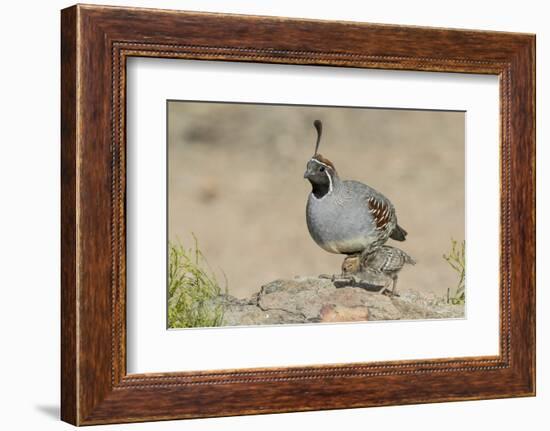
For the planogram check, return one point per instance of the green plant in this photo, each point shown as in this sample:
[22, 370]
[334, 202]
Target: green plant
[457, 260]
[192, 289]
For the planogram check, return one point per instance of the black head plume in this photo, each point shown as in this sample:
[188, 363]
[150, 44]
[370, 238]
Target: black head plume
[319, 127]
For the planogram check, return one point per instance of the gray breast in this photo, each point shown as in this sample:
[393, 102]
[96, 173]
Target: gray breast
[341, 222]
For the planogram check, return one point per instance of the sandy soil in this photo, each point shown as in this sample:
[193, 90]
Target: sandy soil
[236, 182]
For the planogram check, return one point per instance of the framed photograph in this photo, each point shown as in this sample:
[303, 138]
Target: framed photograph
[264, 215]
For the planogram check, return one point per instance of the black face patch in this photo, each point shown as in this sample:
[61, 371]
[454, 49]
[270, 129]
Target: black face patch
[320, 190]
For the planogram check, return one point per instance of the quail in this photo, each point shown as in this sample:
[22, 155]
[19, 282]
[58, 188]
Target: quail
[388, 261]
[345, 216]
[379, 268]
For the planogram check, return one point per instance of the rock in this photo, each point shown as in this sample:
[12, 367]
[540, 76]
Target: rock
[338, 313]
[246, 312]
[314, 300]
[305, 297]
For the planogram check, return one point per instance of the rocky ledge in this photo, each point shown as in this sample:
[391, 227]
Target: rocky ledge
[314, 300]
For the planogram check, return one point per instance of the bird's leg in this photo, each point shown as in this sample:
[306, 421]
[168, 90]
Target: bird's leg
[385, 287]
[364, 254]
[394, 286]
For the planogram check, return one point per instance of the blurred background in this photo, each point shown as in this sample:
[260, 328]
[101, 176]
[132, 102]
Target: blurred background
[235, 181]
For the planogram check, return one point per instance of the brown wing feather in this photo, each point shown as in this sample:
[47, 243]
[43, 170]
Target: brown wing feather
[381, 212]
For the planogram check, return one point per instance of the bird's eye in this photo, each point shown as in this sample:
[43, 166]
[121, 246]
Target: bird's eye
[322, 169]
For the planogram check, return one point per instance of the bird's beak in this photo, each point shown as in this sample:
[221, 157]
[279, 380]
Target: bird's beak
[309, 173]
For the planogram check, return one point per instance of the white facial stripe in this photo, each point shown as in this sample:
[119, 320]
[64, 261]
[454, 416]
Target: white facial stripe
[330, 181]
[321, 163]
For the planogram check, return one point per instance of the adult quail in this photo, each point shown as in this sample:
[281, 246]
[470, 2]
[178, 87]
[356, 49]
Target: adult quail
[346, 217]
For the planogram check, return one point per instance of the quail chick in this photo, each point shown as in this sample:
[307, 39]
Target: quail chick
[388, 261]
[380, 268]
[346, 217]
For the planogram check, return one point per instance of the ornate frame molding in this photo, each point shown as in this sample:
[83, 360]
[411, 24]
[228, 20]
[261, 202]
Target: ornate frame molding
[96, 41]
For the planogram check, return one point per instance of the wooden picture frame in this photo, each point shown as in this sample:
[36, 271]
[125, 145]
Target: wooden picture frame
[95, 43]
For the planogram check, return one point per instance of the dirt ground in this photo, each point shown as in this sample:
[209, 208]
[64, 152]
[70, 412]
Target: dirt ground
[236, 181]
